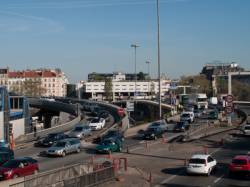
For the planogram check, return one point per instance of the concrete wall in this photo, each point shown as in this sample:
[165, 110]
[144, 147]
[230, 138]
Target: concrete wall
[18, 127]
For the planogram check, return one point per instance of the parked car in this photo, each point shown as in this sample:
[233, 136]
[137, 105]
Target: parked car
[66, 146]
[187, 116]
[240, 165]
[116, 134]
[153, 133]
[161, 124]
[201, 164]
[50, 139]
[110, 144]
[181, 126]
[80, 131]
[6, 155]
[97, 123]
[18, 168]
[246, 129]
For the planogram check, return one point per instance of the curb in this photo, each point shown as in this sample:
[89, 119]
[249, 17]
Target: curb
[208, 134]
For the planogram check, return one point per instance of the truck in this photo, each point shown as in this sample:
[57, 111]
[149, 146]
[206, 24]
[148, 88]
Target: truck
[199, 100]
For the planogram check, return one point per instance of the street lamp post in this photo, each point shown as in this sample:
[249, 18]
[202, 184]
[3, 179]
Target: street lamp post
[158, 56]
[148, 63]
[135, 46]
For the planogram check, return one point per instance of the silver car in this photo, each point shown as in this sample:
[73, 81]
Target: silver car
[66, 146]
[80, 131]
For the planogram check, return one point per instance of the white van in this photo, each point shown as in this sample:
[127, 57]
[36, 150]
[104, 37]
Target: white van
[187, 116]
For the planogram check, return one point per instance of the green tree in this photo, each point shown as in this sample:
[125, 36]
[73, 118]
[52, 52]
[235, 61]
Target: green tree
[199, 83]
[33, 88]
[108, 89]
[141, 76]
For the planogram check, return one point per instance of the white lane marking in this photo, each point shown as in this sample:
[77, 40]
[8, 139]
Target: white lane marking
[169, 179]
[216, 150]
[217, 180]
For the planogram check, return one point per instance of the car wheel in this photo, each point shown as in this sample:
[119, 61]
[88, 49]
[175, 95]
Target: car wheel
[63, 154]
[120, 149]
[209, 171]
[15, 176]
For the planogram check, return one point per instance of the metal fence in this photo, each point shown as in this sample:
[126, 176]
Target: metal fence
[72, 176]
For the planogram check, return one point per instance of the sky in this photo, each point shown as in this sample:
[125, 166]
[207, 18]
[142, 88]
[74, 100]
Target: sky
[83, 36]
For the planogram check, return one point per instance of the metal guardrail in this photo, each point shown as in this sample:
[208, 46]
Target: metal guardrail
[39, 134]
[74, 175]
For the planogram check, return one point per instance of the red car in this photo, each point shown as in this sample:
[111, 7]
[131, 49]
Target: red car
[18, 167]
[240, 164]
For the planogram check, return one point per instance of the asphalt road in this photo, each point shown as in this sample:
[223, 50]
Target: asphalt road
[239, 145]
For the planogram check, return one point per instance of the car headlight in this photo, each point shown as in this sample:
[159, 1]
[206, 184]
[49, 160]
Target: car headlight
[7, 172]
[59, 151]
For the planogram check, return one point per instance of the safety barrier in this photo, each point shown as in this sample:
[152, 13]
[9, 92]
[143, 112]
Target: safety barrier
[39, 134]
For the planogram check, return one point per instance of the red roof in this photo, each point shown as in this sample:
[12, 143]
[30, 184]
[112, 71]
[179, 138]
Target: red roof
[32, 74]
[15, 74]
[48, 74]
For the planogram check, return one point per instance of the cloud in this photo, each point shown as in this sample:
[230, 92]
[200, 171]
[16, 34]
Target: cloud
[17, 22]
[73, 4]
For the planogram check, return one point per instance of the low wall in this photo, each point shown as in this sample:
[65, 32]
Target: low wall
[60, 128]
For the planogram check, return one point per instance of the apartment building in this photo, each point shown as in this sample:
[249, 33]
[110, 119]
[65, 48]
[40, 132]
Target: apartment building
[49, 82]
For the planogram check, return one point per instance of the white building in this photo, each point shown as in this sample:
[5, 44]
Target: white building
[124, 89]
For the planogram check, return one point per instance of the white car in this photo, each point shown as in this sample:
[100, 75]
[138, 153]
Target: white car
[201, 164]
[97, 123]
[246, 129]
[187, 116]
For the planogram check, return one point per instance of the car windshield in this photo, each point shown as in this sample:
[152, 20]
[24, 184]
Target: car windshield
[51, 135]
[95, 121]
[11, 164]
[239, 162]
[78, 129]
[151, 129]
[106, 142]
[155, 124]
[247, 127]
[60, 144]
[197, 161]
[185, 115]
[180, 124]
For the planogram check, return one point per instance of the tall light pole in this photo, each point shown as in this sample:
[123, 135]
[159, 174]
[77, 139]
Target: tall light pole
[158, 56]
[135, 46]
[148, 63]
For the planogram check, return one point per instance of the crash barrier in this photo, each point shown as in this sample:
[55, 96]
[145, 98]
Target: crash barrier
[74, 175]
[42, 133]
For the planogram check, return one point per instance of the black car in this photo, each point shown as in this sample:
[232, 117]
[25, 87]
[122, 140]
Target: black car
[182, 126]
[153, 133]
[104, 114]
[110, 134]
[51, 139]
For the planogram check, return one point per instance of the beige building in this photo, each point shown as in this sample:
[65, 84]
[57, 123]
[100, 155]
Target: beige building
[47, 82]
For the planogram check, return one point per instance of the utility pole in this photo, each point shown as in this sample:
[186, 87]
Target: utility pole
[135, 46]
[158, 57]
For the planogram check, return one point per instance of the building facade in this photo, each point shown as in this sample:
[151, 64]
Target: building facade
[122, 88]
[45, 82]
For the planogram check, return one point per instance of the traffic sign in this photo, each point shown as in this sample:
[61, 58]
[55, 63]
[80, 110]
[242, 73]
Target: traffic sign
[130, 106]
[229, 98]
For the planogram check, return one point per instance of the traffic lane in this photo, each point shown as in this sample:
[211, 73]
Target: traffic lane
[220, 177]
[52, 162]
[242, 146]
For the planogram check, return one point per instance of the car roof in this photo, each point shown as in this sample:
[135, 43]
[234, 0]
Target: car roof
[68, 139]
[23, 158]
[242, 157]
[200, 156]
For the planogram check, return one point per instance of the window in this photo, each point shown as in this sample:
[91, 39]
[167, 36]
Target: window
[210, 159]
